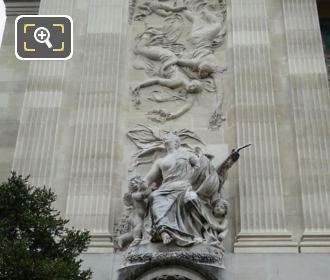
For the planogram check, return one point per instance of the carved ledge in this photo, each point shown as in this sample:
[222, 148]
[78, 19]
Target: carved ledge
[101, 243]
[265, 243]
[203, 259]
[16, 8]
[315, 242]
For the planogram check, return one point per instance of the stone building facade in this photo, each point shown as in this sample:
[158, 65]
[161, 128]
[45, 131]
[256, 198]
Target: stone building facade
[66, 124]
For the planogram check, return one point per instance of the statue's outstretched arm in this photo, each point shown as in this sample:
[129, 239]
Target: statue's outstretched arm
[230, 160]
[153, 174]
[227, 164]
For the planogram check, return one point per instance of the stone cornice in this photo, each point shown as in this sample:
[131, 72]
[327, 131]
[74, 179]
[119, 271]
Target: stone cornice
[16, 7]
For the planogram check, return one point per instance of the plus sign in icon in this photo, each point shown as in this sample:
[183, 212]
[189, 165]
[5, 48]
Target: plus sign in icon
[43, 37]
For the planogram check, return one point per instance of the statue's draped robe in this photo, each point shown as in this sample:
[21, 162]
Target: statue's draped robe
[171, 210]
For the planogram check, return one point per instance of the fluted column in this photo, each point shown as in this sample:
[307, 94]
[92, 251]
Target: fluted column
[262, 215]
[67, 136]
[311, 103]
[91, 171]
[35, 152]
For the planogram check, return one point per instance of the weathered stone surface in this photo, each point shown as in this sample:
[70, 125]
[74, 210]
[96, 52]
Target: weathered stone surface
[278, 71]
[204, 260]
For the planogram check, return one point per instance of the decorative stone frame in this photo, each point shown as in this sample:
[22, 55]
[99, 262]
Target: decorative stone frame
[171, 273]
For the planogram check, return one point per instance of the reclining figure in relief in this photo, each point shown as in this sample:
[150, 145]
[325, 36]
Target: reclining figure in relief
[173, 78]
[193, 69]
[157, 7]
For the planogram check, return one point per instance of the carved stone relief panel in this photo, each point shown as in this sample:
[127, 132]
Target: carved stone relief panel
[178, 58]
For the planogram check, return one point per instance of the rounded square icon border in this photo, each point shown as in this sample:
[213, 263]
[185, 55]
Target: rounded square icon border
[24, 58]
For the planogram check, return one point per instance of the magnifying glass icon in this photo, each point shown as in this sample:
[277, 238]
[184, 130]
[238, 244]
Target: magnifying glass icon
[42, 35]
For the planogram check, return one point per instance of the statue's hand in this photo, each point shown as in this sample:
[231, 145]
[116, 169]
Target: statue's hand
[136, 91]
[221, 237]
[190, 196]
[136, 96]
[235, 155]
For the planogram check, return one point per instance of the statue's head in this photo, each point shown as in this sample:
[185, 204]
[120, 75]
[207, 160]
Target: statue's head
[171, 140]
[194, 86]
[134, 184]
[205, 68]
[220, 207]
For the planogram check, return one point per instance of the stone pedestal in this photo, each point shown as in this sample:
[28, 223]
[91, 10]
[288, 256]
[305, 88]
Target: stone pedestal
[201, 261]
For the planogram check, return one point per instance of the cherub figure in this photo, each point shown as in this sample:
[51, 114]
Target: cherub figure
[136, 198]
[220, 210]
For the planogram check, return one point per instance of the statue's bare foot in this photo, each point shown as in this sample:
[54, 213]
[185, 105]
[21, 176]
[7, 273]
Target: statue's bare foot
[120, 242]
[135, 242]
[167, 239]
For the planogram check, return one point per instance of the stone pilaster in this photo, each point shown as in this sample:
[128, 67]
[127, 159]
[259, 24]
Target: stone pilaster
[39, 123]
[311, 102]
[67, 136]
[93, 159]
[262, 216]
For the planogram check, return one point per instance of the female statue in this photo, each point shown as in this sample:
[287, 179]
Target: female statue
[182, 206]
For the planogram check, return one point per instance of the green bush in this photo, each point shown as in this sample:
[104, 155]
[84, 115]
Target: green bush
[34, 242]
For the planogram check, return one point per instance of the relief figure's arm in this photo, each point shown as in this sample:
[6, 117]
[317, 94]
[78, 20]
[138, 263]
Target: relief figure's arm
[189, 16]
[191, 63]
[143, 7]
[137, 196]
[153, 174]
[170, 83]
[161, 12]
[224, 230]
[221, 227]
[148, 83]
[171, 8]
[194, 161]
